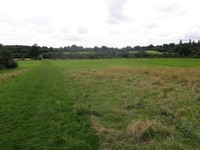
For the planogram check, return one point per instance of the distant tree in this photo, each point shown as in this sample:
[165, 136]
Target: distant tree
[96, 48]
[75, 48]
[181, 42]
[34, 51]
[104, 48]
[137, 48]
[150, 47]
[128, 48]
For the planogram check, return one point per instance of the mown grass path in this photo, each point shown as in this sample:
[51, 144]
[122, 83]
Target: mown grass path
[36, 112]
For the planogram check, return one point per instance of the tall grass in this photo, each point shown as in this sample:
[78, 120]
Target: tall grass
[141, 108]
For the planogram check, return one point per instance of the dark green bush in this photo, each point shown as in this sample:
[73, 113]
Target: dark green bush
[6, 59]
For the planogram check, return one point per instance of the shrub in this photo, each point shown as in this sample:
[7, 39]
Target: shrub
[6, 59]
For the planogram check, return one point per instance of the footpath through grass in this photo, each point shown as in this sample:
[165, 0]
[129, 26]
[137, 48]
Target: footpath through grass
[36, 112]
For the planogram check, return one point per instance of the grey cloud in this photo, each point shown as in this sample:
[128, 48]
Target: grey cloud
[4, 19]
[38, 23]
[113, 33]
[64, 30]
[74, 38]
[116, 11]
[181, 13]
[192, 33]
[193, 36]
[151, 26]
[37, 20]
[167, 12]
[82, 30]
[66, 37]
[168, 8]
[9, 20]
[165, 35]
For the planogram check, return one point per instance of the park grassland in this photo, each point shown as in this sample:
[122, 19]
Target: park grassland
[101, 104]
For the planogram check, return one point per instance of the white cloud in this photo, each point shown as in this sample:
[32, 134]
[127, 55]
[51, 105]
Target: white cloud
[116, 10]
[114, 23]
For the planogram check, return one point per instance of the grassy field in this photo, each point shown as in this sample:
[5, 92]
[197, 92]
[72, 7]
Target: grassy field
[101, 104]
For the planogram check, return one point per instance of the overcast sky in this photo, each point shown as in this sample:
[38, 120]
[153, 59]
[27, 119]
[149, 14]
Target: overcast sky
[116, 23]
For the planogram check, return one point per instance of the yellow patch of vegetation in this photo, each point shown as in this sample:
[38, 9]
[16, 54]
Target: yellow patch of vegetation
[9, 75]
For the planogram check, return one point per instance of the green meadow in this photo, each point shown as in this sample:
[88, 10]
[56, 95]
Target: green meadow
[101, 104]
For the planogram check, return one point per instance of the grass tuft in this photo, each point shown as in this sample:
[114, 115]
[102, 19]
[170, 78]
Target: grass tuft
[147, 130]
[142, 130]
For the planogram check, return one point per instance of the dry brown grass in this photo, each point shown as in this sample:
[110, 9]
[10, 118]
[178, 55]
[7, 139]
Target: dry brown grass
[147, 130]
[122, 94]
[106, 135]
[9, 75]
[157, 76]
[98, 127]
[173, 85]
[139, 129]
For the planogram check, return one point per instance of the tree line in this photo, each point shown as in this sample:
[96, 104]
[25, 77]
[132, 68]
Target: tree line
[189, 49]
